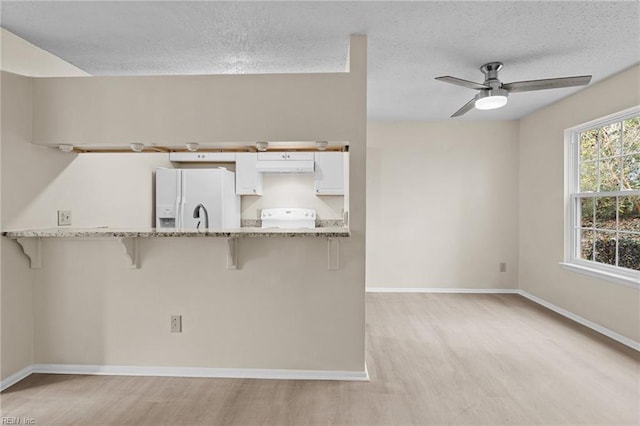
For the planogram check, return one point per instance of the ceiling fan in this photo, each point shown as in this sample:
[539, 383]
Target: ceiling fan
[493, 93]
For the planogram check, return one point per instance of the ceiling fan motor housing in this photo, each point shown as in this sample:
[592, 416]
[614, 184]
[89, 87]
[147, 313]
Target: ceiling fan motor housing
[490, 70]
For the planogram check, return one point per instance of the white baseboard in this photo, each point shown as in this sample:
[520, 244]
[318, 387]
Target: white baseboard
[580, 320]
[16, 377]
[442, 290]
[230, 373]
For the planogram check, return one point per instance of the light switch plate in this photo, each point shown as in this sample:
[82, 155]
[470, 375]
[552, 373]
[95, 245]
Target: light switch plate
[64, 217]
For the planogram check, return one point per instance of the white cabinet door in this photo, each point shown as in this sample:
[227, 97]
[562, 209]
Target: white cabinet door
[248, 180]
[329, 173]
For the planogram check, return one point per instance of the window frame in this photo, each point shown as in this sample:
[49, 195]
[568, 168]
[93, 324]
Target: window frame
[572, 261]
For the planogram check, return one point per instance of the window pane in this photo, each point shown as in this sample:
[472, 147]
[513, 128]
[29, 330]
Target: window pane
[610, 174]
[606, 213]
[631, 171]
[589, 145]
[606, 225]
[629, 251]
[586, 212]
[605, 248]
[609, 138]
[588, 177]
[631, 135]
[629, 213]
[586, 244]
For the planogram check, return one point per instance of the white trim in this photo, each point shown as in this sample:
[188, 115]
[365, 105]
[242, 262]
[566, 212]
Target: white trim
[16, 377]
[580, 320]
[230, 373]
[572, 194]
[442, 290]
[602, 274]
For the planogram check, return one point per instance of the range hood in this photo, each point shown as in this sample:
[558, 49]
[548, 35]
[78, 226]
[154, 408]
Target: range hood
[291, 166]
[285, 162]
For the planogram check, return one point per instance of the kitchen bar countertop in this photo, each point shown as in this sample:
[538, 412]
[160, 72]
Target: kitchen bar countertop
[63, 232]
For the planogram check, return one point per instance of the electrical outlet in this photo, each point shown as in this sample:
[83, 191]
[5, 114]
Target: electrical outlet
[64, 217]
[503, 266]
[176, 323]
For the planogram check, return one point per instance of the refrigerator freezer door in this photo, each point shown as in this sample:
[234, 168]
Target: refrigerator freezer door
[168, 198]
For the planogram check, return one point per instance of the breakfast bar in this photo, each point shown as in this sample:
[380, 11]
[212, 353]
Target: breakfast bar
[31, 239]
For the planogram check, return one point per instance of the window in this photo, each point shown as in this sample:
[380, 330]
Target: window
[603, 235]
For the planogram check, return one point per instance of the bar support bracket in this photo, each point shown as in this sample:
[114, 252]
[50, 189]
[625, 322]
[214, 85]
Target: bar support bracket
[232, 253]
[32, 248]
[130, 247]
[333, 254]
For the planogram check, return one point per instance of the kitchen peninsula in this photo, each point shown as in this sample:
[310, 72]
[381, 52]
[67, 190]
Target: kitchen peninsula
[30, 239]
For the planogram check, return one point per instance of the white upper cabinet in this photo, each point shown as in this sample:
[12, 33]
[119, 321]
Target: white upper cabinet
[330, 173]
[248, 179]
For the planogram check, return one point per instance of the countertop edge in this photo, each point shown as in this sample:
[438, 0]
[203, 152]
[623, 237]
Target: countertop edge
[337, 232]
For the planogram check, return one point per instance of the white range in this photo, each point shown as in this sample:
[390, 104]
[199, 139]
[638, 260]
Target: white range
[288, 218]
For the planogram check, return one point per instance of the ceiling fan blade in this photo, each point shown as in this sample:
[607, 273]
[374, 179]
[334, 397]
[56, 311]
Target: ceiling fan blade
[464, 83]
[549, 83]
[465, 109]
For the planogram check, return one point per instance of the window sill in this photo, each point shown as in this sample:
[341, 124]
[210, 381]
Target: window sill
[626, 280]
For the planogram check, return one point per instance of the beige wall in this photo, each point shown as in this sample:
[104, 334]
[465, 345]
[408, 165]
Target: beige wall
[442, 204]
[282, 309]
[113, 190]
[542, 204]
[17, 279]
[169, 110]
[25, 171]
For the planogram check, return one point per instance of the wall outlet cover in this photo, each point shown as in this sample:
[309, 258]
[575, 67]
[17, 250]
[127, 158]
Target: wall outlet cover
[176, 323]
[64, 217]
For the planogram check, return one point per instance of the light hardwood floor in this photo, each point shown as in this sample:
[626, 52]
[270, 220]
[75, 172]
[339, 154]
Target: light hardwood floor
[454, 359]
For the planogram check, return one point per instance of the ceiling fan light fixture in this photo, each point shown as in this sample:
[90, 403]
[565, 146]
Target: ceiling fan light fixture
[491, 99]
[491, 102]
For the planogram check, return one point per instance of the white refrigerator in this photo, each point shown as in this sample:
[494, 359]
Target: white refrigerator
[187, 199]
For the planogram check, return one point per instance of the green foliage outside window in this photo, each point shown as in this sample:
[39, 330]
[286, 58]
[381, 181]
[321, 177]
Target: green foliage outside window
[610, 224]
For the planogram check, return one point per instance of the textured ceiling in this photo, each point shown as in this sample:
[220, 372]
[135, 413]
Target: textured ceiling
[410, 43]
